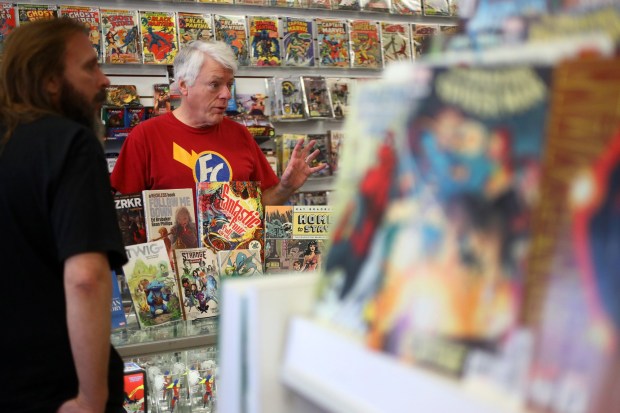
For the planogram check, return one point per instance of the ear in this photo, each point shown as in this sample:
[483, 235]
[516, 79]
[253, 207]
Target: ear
[53, 85]
[183, 87]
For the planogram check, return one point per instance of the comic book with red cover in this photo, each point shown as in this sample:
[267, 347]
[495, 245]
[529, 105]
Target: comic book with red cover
[31, 12]
[572, 291]
[264, 39]
[121, 36]
[158, 31]
[194, 26]
[365, 44]
[233, 31]
[230, 215]
[91, 19]
[8, 21]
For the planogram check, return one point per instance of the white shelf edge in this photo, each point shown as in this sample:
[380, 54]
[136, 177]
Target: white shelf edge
[341, 375]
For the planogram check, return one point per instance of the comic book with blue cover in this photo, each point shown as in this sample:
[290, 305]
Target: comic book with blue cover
[158, 32]
[8, 21]
[264, 39]
[118, 312]
[297, 42]
[199, 282]
[152, 284]
[121, 36]
[427, 255]
[232, 30]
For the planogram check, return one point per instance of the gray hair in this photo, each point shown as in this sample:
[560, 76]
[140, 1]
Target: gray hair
[189, 60]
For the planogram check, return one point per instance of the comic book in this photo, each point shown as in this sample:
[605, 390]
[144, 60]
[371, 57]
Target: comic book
[121, 36]
[289, 98]
[8, 21]
[199, 282]
[346, 4]
[230, 215]
[396, 42]
[297, 42]
[295, 237]
[217, 1]
[31, 12]
[232, 30]
[317, 99]
[252, 2]
[298, 4]
[90, 17]
[169, 216]
[158, 32]
[335, 144]
[264, 39]
[421, 38]
[309, 198]
[436, 7]
[340, 89]
[571, 296]
[130, 215]
[118, 312]
[194, 26]
[152, 284]
[332, 43]
[286, 144]
[382, 6]
[240, 263]
[452, 175]
[320, 4]
[121, 95]
[365, 44]
[323, 158]
[407, 7]
[161, 99]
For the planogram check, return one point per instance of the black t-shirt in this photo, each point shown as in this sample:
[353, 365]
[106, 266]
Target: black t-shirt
[55, 202]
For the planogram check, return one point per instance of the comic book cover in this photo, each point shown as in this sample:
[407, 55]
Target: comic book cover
[571, 298]
[240, 263]
[333, 43]
[130, 215]
[407, 7]
[320, 4]
[118, 313]
[8, 21]
[346, 4]
[152, 284]
[158, 32]
[264, 38]
[199, 282]
[31, 12]
[298, 4]
[396, 42]
[297, 42]
[382, 6]
[252, 2]
[295, 237]
[436, 7]
[289, 98]
[340, 89]
[217, 1]
[323, 158]
[335, 144]
[91, 19]
[161, 99]
[365, 44]
[286, 145]
[230, 215]
[121, 95]
[232, 30]
[317, 99]
[121, 36]
[454, 178]
[194, 26]
[169, 216]
[421, 38]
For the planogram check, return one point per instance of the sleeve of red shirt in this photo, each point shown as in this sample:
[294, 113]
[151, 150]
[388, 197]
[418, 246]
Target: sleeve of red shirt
[130, 171]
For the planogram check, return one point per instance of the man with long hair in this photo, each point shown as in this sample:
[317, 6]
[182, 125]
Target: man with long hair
[60, 229]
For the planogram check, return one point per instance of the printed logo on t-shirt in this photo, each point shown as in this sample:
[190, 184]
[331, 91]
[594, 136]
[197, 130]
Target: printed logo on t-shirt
[208, 166]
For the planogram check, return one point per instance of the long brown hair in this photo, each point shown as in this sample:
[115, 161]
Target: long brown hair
[33, 54]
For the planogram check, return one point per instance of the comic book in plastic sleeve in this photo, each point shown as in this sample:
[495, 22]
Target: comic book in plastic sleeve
[407, 7]
[230, 215]
[571, 299]
[421, 36]
[264, 40]
[346, 5]
[323, 157]
[152, 284]
[298, 4]
[217, 1]
[320, 4]
[130, 216]
[252, 2]
[336, 138]
[333, 43]
[436, 7]
[121, 36]
[199, 282]
[232, 30]
[317, 99]
[31, 12]
[395, 42]
[295, 237]
[287, 142]
[8, 21]
[158, 32]
[297, 42]
[453, 176]
[382, 6]
[118, 312]
[288, 98]
[91, 19]
[240, 263]
[365, 44]
[194, 26]
[161, 99]
[340, 89]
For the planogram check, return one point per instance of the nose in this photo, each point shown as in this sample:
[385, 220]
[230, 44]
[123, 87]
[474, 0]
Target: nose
[226, 93]
[105, 82]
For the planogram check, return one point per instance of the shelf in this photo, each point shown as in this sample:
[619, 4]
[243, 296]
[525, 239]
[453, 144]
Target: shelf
[177, 336]
[340, 375]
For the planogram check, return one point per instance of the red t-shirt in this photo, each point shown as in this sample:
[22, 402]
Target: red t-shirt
[164, 153]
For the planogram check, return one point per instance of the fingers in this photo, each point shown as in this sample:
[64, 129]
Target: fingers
[312, 156]
[301, 150]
